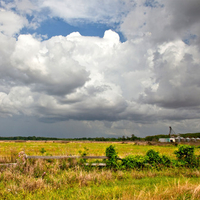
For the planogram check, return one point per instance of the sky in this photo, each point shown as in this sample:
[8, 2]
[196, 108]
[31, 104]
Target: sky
[99, 68]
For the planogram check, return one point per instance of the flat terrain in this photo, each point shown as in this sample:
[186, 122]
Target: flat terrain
[73, 148]
[57, 180]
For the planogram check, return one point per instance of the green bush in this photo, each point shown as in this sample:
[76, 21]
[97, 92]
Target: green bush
[166, 161]
[111, 153]
[133, 162]
[185, 155]
[185, 152]
[153, 157]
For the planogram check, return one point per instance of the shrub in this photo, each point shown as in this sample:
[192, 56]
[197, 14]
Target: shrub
[185, 154]
[153, 157]
[155, 160]
[166, 161]
[133, 162]
[111, 153]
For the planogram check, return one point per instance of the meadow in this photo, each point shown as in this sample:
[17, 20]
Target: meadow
[65, 179]
[73, 148]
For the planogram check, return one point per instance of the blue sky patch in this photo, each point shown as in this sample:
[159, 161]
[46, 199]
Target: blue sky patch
[56, 26]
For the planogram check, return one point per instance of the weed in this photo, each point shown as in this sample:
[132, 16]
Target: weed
[42, 151]
[83, 153]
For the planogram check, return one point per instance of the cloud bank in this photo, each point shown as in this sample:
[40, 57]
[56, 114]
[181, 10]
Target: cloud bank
[150, 80]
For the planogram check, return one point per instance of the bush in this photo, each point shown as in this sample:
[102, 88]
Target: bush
[166, 161]
[153, 157]
[111, 153]
[133, 162]
[185, 154]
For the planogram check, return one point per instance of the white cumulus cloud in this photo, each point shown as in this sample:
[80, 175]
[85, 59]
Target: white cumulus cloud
[148, 81]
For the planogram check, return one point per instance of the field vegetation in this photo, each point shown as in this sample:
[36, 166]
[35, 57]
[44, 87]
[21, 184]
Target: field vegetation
[73, 148]
[145, 172]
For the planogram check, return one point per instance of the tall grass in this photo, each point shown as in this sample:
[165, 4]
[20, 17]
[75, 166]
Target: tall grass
[41, 179]
[10, 158]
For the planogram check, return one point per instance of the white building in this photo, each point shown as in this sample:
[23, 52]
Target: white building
[166, 139]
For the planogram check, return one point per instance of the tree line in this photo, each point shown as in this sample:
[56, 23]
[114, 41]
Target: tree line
[123, 138]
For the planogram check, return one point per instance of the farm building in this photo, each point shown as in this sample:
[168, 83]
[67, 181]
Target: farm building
[166, 139]
[173, 137]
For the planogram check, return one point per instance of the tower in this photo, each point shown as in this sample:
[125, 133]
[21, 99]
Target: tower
[170, 131]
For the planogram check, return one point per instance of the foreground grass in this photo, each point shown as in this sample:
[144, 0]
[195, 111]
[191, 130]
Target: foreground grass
[29, 182]
[64, 179]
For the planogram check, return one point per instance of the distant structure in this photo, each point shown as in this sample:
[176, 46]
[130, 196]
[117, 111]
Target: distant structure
[164, 140]
[171, 138]
[170, 131]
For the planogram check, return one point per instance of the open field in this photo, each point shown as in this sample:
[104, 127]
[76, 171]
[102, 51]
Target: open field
[73, 148]
[55, 179]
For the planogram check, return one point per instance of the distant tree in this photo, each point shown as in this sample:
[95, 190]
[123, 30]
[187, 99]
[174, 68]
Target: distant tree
[133, 137]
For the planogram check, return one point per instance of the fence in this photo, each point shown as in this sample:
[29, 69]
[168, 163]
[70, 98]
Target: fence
[72, 157]
[64, 157]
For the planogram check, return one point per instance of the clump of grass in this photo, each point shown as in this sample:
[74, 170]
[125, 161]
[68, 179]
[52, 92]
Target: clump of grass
[9, 158]
[4, 159]
[176, 190]
[13, 155]
[32, 184]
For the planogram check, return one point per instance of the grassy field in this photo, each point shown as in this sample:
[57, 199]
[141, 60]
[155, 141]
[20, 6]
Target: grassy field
[73, 148]
[41, 179]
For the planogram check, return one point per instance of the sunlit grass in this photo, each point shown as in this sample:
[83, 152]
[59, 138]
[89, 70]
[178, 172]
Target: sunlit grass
[73, 148]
